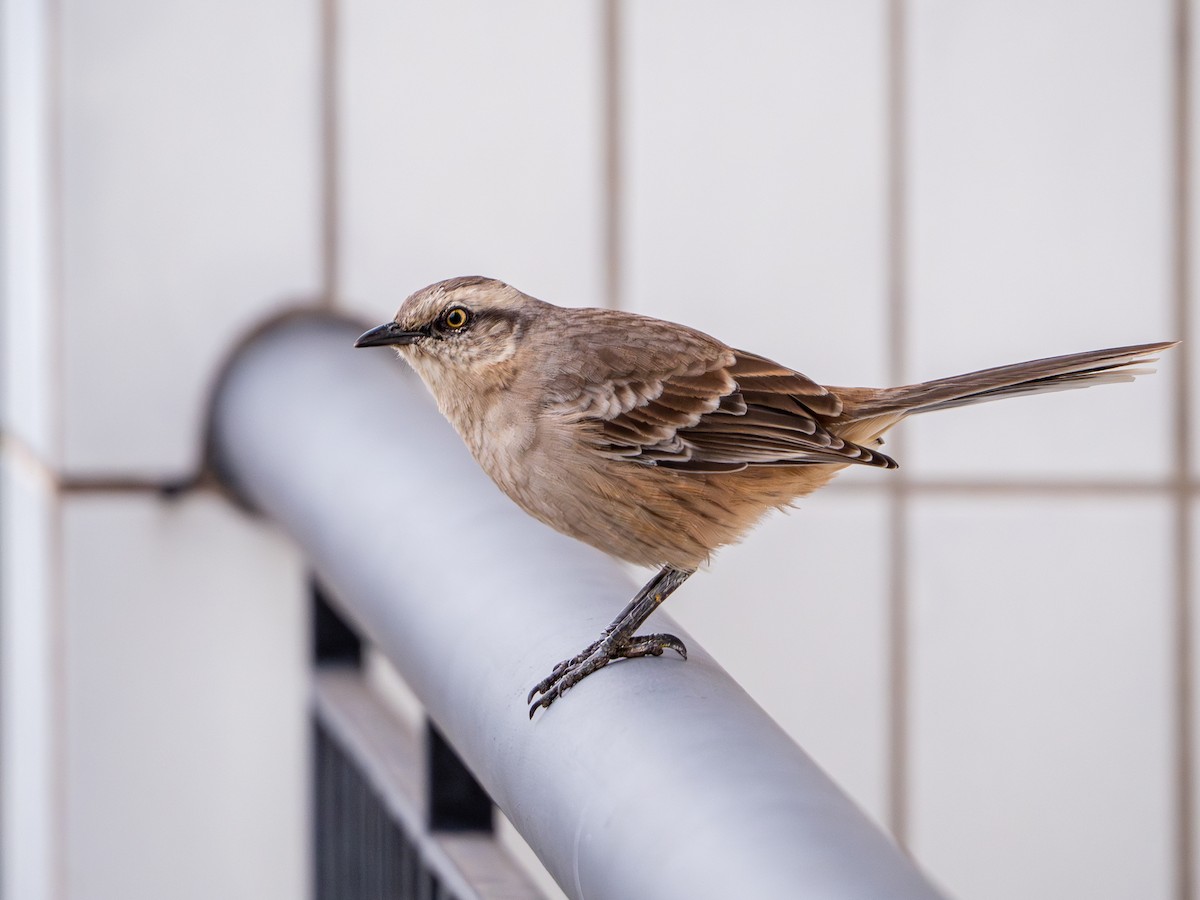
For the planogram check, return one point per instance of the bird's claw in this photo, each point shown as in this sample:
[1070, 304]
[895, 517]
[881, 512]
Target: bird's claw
[597, 655]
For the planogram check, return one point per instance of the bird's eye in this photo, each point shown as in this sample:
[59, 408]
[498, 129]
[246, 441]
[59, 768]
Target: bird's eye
[456, 318]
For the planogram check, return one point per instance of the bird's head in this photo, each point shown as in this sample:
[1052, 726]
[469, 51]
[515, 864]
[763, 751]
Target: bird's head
[464, 325]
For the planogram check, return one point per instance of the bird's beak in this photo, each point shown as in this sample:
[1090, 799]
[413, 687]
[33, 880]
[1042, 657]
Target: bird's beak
[388, 334]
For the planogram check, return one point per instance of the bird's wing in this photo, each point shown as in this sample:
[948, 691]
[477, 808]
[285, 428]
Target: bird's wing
[695, 405]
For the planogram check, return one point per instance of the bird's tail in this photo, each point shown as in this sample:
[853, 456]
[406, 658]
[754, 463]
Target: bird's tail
[1058, 373]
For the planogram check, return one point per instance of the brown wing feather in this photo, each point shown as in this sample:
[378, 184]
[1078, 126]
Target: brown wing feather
[687, 402]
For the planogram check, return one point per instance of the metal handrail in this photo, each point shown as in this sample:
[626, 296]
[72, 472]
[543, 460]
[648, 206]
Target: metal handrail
[655, 778]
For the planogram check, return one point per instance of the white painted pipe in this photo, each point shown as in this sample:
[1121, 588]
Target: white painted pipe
[654, 777]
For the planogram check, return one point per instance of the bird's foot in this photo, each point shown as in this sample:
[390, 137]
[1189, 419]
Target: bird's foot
[597, 655]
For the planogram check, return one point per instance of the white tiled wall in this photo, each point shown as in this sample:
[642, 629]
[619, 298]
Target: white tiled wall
[29, 789]
[1192, 133]
[1041, 757]
[160, 194]
[153, 669]
[755, 169]
[189, 210]
[1039, 224]
[1193, 760]
[26, 328]
[470, 145]
[185, 640]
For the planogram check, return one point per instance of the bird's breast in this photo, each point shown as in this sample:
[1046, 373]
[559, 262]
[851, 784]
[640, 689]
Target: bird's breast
[499, 436]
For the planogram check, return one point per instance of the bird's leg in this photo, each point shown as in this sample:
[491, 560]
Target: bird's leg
[618, 640]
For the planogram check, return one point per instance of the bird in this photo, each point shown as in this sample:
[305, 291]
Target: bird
[655, 442]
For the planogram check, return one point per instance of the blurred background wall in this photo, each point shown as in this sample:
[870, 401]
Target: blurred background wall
[992, 649]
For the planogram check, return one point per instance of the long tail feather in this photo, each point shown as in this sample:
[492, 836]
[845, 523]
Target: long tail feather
[1058, 373]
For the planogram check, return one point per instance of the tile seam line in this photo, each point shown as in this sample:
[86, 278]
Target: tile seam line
[18, 450]
[611, 136]
[896, 312]
[21, 455]
[1182, 612]
[59, 876]
[329, 153]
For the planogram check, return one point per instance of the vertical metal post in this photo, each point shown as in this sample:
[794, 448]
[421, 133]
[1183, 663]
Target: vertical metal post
[457, 802]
